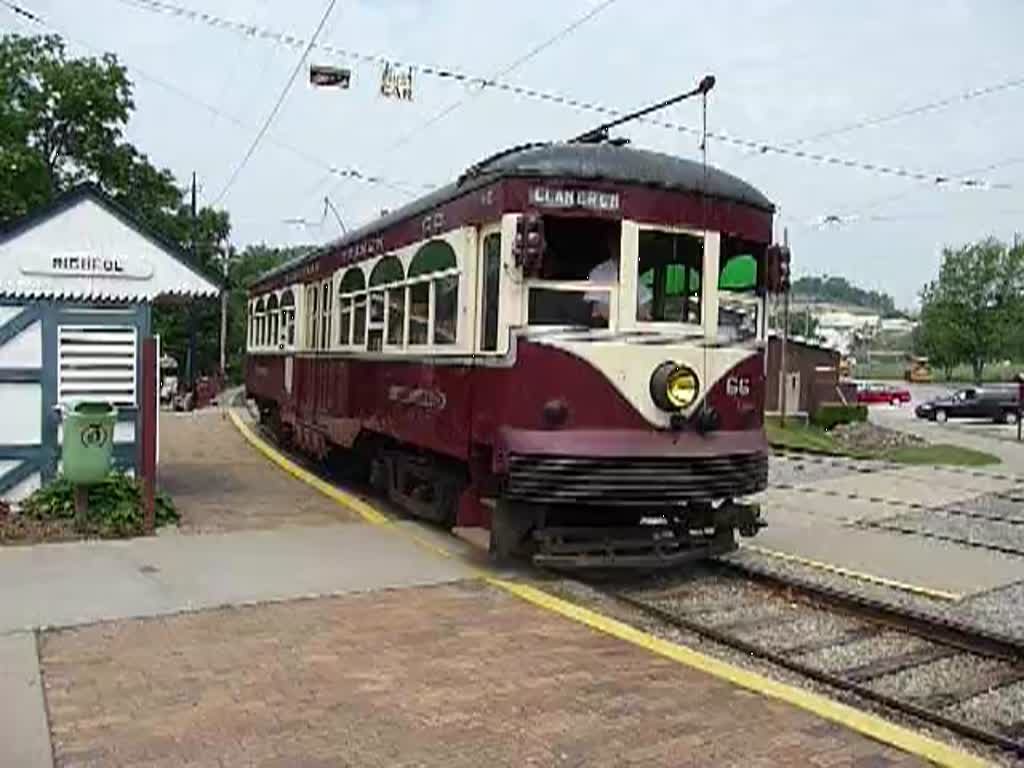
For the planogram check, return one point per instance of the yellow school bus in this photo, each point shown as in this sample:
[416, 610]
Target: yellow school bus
[917, 370]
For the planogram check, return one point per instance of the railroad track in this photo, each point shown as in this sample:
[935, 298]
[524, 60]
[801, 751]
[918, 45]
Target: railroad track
[941, 523]
[934, 670]
[868, 465]
[940, 672]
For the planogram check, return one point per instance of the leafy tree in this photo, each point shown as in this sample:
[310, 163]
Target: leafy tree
[937, 335]
[62, 122]
[973, 312]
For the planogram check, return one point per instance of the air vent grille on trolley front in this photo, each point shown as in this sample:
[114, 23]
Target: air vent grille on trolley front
[97, 363]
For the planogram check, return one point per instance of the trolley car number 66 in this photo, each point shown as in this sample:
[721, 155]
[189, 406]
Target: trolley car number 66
[737, 386]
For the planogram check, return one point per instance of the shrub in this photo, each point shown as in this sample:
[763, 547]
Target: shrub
[828, 416]
[115, 507]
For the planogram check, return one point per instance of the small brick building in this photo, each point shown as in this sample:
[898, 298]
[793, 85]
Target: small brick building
[812, 376]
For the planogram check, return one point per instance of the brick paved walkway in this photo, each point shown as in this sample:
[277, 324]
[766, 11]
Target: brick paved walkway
[220, 483]
[456, 675]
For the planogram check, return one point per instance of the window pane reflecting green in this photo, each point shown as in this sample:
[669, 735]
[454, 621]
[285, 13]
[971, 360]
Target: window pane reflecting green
[435, 256]
[352, 281]
[388, 270]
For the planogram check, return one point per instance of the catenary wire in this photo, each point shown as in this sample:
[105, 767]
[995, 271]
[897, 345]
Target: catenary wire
[750, 145]
[406, 188]
[251, 151]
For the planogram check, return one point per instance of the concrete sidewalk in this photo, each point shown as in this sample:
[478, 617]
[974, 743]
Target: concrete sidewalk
[57, 585]
[61, 585]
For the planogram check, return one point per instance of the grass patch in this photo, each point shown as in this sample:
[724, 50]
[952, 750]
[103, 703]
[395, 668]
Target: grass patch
[941, 453]
[805, 437]
[802, 437]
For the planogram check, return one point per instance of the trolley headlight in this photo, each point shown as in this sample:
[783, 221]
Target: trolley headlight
[674, 387]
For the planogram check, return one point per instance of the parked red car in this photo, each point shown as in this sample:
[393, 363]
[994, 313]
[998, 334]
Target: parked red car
[870, 394]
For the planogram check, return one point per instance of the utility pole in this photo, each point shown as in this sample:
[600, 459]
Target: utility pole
[785, 343]
[225, 266]
[192, 315]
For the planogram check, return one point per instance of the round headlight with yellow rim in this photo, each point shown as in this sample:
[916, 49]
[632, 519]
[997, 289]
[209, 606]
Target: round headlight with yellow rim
[674, 387]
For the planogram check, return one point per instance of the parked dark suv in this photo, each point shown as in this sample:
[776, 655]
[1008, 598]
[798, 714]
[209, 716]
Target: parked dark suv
[996, 403]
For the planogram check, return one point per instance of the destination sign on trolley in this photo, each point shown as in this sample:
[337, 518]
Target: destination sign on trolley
[591, 199]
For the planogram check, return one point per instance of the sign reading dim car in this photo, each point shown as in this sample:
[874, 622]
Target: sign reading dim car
[590, 199]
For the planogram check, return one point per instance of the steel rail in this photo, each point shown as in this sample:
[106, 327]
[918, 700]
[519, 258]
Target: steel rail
[833, 680]
[937, 629]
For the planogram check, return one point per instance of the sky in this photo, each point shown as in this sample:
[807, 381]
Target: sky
[787, 71]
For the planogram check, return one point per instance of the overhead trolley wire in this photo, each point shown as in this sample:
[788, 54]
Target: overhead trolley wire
[918, 109]
[277, 105]
[762, 147]
[507, 69]
[407, 188]
[535, 51]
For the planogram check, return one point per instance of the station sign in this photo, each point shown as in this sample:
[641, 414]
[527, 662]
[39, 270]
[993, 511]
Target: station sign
[86, 264]
[588, 199]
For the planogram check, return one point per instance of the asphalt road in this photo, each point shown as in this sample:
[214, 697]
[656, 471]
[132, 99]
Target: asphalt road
[982, 435]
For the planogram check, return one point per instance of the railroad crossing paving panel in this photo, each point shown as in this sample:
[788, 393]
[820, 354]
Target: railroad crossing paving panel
[917, 485]
[452, 675]
[841, 521]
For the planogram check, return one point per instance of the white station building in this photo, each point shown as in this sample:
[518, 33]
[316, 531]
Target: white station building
[78, 279]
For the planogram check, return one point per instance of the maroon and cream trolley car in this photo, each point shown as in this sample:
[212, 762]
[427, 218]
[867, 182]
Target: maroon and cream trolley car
[565, 346]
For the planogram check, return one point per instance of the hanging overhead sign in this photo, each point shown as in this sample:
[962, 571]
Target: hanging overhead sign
[396, 82]
[326, 76]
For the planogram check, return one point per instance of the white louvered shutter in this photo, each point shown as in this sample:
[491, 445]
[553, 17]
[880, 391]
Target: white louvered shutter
[97, 363]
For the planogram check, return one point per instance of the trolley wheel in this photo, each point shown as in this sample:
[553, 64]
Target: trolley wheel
[511, 531]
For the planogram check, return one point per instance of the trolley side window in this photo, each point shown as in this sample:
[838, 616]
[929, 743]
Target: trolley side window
[326, 317]
[288, 317]
[312, 314]
[739, 305]
[669, 277]
[491, 292]
[272, 335]
[419, 314]
[446, 309]
[388, 271]
[434, 295]
[351, 295]
[258, 314]
[396, 316]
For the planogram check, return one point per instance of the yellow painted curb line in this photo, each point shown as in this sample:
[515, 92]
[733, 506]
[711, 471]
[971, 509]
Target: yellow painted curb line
[856, 720]
[935, 594]
[360, 507]
[366, 511]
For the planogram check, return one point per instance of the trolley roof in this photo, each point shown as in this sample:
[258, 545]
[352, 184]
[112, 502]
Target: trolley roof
[585, 162]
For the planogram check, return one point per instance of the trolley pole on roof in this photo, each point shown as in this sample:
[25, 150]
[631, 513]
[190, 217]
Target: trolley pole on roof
[600, 133]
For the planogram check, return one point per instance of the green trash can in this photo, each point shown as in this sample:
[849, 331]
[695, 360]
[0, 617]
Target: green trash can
[88, 441]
